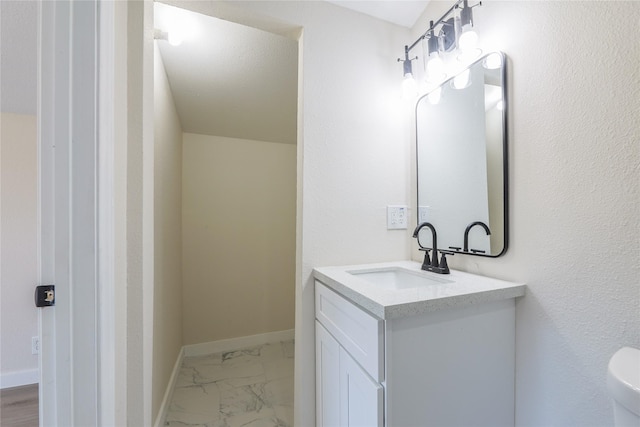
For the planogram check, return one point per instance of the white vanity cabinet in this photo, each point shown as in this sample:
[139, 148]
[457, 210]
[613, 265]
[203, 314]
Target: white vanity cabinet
[446, 367]
[348, 363]
[347, 396]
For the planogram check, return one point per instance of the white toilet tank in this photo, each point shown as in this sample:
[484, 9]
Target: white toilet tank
[623, 381]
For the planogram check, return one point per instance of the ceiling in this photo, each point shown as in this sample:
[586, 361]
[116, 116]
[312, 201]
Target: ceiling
[401, 12]
[239, 79]
[229, 79]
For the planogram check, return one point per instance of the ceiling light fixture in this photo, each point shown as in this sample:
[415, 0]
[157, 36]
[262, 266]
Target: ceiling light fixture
[172, 37]
[444, 35]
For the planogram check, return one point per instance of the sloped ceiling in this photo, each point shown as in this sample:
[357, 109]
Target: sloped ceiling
[230, 80]
[253, 64]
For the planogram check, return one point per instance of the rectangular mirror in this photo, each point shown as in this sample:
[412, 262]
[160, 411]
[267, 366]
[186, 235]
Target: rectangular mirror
[461, 144]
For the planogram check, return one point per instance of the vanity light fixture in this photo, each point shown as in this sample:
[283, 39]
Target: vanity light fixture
[445, 35]
[468, 39]
[435, 66]
[409, 85]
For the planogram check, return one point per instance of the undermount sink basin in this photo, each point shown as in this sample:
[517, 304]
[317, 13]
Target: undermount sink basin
[398, 278]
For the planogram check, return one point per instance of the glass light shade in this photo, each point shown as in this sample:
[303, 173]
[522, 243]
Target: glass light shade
[409, 87]
[468, 40]
[435, 67]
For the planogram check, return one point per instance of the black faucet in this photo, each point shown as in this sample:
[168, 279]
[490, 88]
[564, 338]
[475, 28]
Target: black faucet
[432, 264]
[466, 234]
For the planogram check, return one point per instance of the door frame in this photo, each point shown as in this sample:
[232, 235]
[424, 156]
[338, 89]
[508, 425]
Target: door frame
[93, 240]
[68, 211]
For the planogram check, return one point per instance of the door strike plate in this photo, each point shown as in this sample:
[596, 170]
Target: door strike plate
[45, 296]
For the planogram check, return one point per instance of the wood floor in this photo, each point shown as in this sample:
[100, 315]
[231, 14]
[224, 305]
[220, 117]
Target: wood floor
[19, 406]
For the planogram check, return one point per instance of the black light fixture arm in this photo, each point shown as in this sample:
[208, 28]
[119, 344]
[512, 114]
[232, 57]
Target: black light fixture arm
[433, 25]
[406, 62]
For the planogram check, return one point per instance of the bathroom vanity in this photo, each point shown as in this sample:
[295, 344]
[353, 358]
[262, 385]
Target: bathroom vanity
[397, 346]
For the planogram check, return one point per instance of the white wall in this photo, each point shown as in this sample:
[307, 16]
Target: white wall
[167, 319]
[574, 199]
[353, 153]
[137, 54]
[19, 262]
[238, 211]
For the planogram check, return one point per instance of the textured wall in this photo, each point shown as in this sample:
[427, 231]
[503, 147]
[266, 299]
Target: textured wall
[19, 266]
[575, 205]
[238, 237]
[167, 319]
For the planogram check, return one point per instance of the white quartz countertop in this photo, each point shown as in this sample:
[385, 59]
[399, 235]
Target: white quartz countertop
[461, 290]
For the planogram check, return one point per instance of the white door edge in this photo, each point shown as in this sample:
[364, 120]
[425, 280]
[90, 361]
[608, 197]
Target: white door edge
[75, 215]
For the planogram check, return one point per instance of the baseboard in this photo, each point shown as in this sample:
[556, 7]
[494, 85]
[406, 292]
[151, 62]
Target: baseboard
[237, 343]
[17, 379]
[168, 394]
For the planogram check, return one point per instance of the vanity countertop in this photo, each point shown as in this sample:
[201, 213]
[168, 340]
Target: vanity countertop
[465, 289]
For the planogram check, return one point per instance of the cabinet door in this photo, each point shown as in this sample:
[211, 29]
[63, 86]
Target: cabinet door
[327, 379]
[360, 397]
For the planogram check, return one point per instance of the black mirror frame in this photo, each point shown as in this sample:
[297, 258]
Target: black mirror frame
[505, 157]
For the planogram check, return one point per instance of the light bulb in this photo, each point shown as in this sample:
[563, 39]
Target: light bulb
[175, 38]
[461, 81]
[409, 87]
[468, 40]
[435, 68]
[181, 27]
[500, 105]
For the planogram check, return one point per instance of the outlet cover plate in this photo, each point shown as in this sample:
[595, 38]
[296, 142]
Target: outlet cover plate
[35, 345]
[397, 217]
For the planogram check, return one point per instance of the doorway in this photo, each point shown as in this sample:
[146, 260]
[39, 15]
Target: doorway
[225, 187]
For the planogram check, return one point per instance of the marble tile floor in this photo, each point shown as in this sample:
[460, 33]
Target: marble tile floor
[251, 388]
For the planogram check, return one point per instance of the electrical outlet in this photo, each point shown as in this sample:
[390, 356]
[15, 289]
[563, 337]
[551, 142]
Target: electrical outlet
[397, 217]
[35, 345]
[423, 214]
